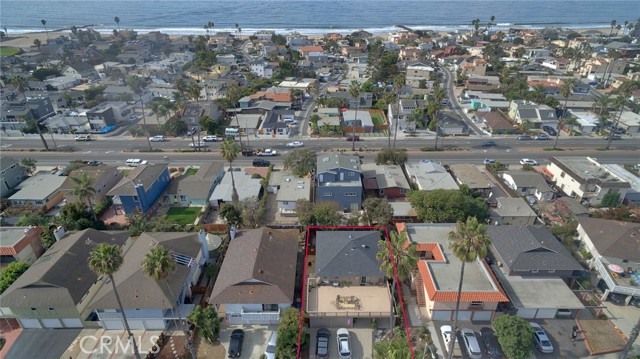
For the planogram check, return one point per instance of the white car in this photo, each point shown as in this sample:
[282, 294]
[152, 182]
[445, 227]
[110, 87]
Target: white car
[295, 144]
[489, 161]
[344, 343]
[83, 138]
[541, 339]
[445, 330]
[198, 144]
[528, 161]
[135, 162]
[158, 138]
[472, 344]
[210, 138]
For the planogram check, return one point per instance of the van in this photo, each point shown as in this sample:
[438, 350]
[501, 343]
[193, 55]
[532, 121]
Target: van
[231, 132]
[270, 352]
[135, 162]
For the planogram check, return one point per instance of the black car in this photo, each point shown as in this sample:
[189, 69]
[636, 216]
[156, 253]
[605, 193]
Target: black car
[322, 343]
[617, 299]
[635, 301]
[489, 143]
[235, 346]
[491, 345]
[550, 130]
[261, 163]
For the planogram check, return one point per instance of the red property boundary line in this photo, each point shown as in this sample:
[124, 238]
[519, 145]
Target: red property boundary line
[304, 279]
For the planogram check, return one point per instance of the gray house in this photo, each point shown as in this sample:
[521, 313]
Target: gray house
[529, 183]
[11, 175]
[195, 190]
[339, 180]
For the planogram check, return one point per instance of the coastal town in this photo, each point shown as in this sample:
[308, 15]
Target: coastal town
[414, 194]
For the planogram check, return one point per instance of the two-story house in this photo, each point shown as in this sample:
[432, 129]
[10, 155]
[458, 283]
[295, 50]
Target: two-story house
[586, 179]
[512, 211]
[532, 266]
[416, 73]
[108, 113]
[40, 190]
[262, 69]
[289, 189]
[11, 174]
[257, 277]
[386, 181]
[140, 189]
[344, 282]
[14, 114]
[535, 115]
[427, 175]
[103, 178]
[436, 278]
[339, 180]
[528, 183]
[20, 244]
[81, 70]
[196, 189]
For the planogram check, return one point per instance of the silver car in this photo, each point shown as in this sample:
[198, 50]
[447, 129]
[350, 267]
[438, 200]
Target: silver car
[472, 344]
[344, 343]
[541, 339]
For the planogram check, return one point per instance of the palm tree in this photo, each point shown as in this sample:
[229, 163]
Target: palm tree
[36, 124]
[106, 259]
[396, 260]
[157, 264]
[566, 89]
[613, 56]
[613, 24]
[117, 20]
[468, 242]
[632, 338]
[233, 96]
[229, 151]
[137, 85]
[83, 189]
[44, 24]
[21, 84]
[438, 94]
[618, 103]
[354, 92]
[193, 92]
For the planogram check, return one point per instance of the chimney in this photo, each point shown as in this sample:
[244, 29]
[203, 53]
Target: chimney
[232, 232]
[59, 233]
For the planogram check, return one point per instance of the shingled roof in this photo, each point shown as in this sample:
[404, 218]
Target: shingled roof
[259, 268]
[347, 253]
[614, 239]
[143, 175]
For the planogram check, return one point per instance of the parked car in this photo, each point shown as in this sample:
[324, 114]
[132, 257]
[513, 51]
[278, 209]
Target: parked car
[83, 138]
[295, 144]
[617, 298]
[135, 162]
[525, 138]
[210, 138]
[445, 331]
[549, 130]
[353, 138]
[93, 163]
[235, 345]
[488, 143]
[615, 136]
[528, 161]
[635, 301]
[491, 345]
[198, 144]
[158, 138]
[270, 352]
[542, 136]
[472, 344]
[322, 343]
[541, 339]
[489, 161]
[261, 163]
[344, 343]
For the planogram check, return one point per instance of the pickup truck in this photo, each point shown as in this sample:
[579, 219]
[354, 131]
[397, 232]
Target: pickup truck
[267, 152]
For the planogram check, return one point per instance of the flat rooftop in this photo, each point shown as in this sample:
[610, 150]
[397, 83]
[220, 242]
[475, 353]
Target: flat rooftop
[11, 236]
[373, 301]
[586, 168]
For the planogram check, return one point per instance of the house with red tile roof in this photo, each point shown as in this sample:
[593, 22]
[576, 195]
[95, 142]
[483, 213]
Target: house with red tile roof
[306, 50]
[437, 276]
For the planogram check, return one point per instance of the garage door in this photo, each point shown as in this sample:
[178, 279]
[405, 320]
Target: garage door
[465, 315]
[113, 324]
[136, 324]
[71, 323]
[482, 316]
[30, 323]
[441, 315]
[527, 313]
[331, 323]
[546, 313]
[51, 323]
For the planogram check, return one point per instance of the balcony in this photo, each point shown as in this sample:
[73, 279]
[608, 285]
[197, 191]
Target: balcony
[348, 301]
[616, 282]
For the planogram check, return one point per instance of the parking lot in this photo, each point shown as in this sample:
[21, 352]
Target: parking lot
[255, 338]
[361, 343]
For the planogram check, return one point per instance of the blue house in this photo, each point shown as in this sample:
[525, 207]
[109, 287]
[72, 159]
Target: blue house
[340, 180]
[138, 191]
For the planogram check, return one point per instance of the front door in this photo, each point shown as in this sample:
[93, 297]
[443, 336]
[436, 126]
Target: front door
[363, 280]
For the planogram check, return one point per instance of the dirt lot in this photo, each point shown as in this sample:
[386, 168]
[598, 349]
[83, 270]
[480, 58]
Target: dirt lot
[600, 336]
[209, 351]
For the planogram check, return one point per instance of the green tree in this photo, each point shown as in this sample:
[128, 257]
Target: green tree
[514, 335]
[231, 214]
[230, 151]
[83, 189]
[207, 322]
[377, 211]
[439, 94]
[619, 103]
[11, 273]
[468, 242]
[138, 85]
[104, 260]
[288, 328]
[391, 156]
[301, 162]
[395, 348]
[29, 165]
[157, 264]
[354, 92]
[566, 89]
[327, 213]
[447, 206]
[304, 212]
[610, 200]
[193, 92]
[37, 43]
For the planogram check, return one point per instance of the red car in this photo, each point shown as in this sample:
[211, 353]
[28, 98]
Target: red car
[353, 138]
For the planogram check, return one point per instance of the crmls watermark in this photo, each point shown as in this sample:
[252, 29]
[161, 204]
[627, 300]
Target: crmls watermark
[105, 345]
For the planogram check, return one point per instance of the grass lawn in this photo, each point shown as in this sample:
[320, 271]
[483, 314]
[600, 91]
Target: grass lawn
[191, 171]
[182, 215]
[377, 119]
[8, 51]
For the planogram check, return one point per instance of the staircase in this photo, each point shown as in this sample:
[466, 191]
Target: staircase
[420, 294]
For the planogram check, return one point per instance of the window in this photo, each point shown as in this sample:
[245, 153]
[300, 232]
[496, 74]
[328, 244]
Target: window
[135, 198]
[476, 304]
[350, 194]
[285, 203]
[270, 307]
[534, 271]
[351, 174]
[381, 191]
[552, 270]
[327, 194]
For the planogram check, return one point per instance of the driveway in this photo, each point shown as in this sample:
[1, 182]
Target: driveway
[255, 338]
[361, 342]
[42, 343]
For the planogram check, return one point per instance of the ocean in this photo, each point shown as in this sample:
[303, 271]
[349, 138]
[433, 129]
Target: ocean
[309, 16]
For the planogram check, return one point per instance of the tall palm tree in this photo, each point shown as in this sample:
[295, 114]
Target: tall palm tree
[157, 264]
[106, 259]
[395, 259]
[233, 96]
[398, 82]
[36, 124]
[21, 84]
[44, 24]
[83, 189]
[137, 85]
[354, 92]
[229, 151]
[632, 338]
[566, 89]
[117, 20]
[613, 24]
[618, 103]
[193, 92]
[438, 94]
[468, 242]
[613, 56]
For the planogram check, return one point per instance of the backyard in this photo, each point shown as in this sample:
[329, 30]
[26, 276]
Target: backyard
[377, 119]
[182, 215]
[191, 171]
